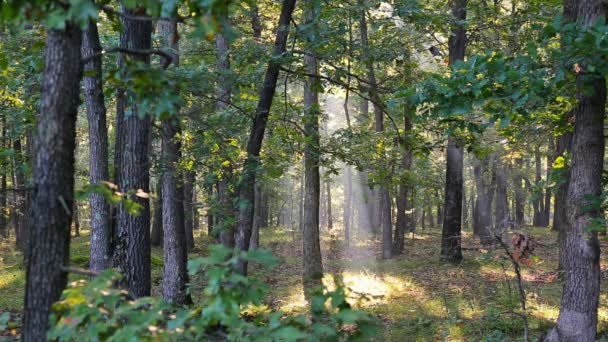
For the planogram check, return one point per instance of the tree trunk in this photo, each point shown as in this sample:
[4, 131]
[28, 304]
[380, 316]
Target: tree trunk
[21, 209]
[452, 222]
[330, 219]
[520, 196]
[538, 203]
[156, 237]
[312, 264]
[577, 319]
[76, 219]
[257, 219]
[53, 177]
[547, 206]
[132, 250]
[175, 272]
[485, 196]
[4, 229]
[101, 235]
[501, 213]
[403, 203]
[384, 199]
[254, 144]
[188, 197]
[175, 248]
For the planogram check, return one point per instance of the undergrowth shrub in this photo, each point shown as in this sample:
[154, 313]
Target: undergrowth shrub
[97, 311]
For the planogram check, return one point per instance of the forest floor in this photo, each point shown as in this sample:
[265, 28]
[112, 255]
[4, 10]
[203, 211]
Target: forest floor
[415, 295]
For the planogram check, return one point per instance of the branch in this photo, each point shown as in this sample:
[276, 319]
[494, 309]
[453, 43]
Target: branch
[112, 11]
[168, 58]
[81, 271]
[522, 293]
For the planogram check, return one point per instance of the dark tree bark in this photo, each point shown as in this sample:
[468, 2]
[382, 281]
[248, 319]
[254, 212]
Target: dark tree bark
[520, 196]
[156, 237]
[501, 213]
[452, 222]
[256, 24]
[101, 235]
[577, 319]
[225, 217]
[4, 229]
[256, 137]
[53, 177]
[257, 219]
[312, 272]
[188, 197]
[403, 203]
[76, 219]
[132, 250]
[384, 199]
[547, 206]
[175, 248]
[22, 200]
[485, 197]
[175, 272]
[440, 208]
[330, 219]
[538, 203]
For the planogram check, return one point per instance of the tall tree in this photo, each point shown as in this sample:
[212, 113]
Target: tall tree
[225, 217]
[452, 222]
[175, 272]
[403, 203]
[384, 200]
[132, 250]
[101, 235]
[53, 178]
[577, 319]
[256, 137]
[313, 266]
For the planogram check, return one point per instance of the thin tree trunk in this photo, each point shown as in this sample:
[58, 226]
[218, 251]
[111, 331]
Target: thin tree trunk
[132, 250]
[76, 219]
[539, 202]
[547, 206]
[4, 229]
[501, 222]
[21, 209]
[257, 219]
[520, 196]
[384, 201]
[188, 189]
[312, 264]
[53, 178]
[156, 237]
[101, 234]
[256, 137]
[452, 222]
[330, 219]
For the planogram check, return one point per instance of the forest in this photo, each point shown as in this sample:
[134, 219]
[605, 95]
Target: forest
[312, 170]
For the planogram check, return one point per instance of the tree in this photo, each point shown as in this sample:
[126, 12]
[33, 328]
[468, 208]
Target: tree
[403, 202]
[175, 272]
[48, 252]
[101, 235]
[577, 319]
[312, 272]
[132, 246]
[384, 200]
[452, 222]
[256, 136]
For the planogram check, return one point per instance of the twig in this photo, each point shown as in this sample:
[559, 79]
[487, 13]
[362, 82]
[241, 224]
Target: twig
[522, 293]
[74, 270]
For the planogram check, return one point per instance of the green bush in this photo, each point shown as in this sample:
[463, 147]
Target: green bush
[97, 311]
